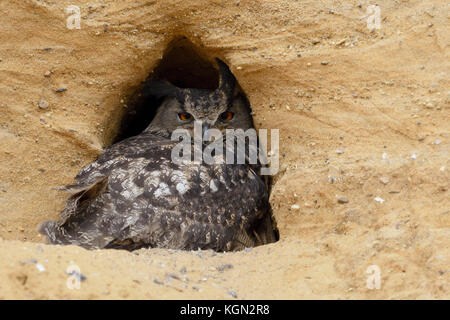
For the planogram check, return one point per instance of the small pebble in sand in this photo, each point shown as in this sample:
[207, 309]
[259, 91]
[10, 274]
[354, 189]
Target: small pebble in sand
[384, 180]
[315, 41]
[324, 63]
[61, 89]
[295, 207]
[339, 151]
[40, 267]
[342, 200]
[43, 104]
[233, 293]
[47, 74]
[172, 276]
[378, 199]
[224, 267]
[78, 275]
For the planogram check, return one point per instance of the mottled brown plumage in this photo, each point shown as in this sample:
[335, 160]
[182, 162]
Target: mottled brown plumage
[135, 196]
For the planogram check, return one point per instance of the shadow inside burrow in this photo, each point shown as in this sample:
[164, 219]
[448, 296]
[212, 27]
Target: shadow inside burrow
[184, 66]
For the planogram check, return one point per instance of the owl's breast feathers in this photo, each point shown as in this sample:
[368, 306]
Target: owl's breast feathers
[135, 196]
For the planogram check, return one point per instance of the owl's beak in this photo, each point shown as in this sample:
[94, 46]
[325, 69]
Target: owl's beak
[205, 127]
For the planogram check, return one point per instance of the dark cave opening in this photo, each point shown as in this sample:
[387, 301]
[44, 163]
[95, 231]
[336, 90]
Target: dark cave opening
[182, 65]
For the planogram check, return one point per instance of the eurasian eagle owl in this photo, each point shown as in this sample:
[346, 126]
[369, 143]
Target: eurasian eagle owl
[135, 196]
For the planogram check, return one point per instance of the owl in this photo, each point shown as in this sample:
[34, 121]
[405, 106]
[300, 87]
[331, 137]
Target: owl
[135, 196]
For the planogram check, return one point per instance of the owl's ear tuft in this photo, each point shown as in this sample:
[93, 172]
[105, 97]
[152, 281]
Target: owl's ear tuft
[161, 89]
[227, 81]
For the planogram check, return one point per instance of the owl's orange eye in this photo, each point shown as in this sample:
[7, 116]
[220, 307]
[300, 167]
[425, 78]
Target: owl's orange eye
[184, 116]
[227, 115]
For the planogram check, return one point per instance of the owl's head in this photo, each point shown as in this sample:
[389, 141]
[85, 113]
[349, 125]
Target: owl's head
[223, 108]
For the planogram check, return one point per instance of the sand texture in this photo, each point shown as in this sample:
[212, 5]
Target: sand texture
[364, 120]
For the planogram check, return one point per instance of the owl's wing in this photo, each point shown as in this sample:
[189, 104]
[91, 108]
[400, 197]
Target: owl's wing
[54, 231]
[90, 189]
[114, 156]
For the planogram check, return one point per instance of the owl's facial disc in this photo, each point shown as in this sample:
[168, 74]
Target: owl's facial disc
[208, 107]
[223, 108]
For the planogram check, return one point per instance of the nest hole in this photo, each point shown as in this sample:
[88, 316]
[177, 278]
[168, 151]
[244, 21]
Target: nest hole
[184, 65]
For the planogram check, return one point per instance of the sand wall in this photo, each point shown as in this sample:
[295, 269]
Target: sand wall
[364, 119]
